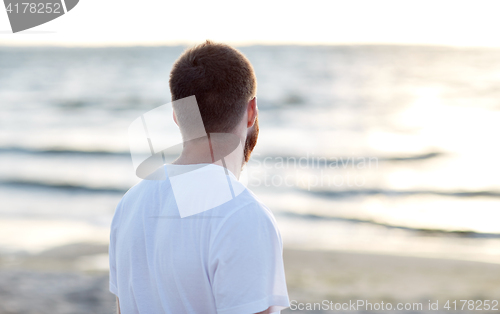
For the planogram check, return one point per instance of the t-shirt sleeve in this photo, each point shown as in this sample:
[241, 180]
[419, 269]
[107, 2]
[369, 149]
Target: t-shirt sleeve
[112, 268]
[113, 286]
[246, 263]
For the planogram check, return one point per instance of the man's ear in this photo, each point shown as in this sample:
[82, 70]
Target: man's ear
[175, 118]
[252, 111]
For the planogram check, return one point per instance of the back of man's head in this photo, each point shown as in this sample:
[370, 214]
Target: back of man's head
[221, 78]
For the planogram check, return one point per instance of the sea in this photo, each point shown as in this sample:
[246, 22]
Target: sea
[367, 148]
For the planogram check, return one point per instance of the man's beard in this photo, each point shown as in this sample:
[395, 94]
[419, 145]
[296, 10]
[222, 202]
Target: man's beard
[251, 140]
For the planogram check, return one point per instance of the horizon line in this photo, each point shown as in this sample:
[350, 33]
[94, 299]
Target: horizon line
[238, 44]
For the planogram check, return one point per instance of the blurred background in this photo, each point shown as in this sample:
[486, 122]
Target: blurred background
[377, 149]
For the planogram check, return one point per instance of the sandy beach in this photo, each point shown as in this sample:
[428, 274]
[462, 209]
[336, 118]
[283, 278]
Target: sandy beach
[342, 277]
[73, 279]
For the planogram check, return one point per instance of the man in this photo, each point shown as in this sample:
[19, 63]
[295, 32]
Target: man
[198, 241]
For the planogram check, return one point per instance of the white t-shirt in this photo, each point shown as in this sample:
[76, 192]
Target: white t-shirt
[223, 259]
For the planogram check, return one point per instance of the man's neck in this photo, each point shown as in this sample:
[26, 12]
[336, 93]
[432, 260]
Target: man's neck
[223, 149]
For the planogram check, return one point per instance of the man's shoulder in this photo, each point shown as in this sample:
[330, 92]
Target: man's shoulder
[250, 225]
[134, 197]
[143, 186]
[247, 208]
[244, 206]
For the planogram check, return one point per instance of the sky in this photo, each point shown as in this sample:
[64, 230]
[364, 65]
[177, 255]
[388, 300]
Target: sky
[160, 22]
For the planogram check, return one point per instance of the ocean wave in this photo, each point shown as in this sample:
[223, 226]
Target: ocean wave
[68, 152]
[316, 160]
[429, 231]
[398, 193]
[24, 184]
[60, 151]
[344, 161]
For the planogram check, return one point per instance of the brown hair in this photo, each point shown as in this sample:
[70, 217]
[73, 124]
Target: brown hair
[221, 78]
